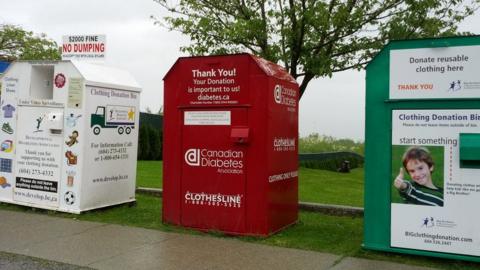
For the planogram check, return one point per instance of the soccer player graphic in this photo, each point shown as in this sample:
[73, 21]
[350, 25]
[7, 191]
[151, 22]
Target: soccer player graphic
[39, 122]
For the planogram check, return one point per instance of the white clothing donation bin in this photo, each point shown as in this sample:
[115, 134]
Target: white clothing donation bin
[69, 133]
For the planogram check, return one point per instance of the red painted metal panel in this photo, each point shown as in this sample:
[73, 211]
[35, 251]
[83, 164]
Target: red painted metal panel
[214, 175]
[282, 153]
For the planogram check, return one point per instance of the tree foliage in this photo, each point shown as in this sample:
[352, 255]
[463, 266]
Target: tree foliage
[19, 44]
[315, 143]
[310, 38]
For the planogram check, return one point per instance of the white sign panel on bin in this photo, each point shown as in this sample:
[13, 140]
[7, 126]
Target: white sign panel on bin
[209, 118]
[435, 73]
[111, 146]
[38, 155]
[434, 199]
[84, 47]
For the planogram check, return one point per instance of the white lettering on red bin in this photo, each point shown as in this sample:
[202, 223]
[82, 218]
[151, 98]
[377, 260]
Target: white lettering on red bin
[213, 199]
[225, 161]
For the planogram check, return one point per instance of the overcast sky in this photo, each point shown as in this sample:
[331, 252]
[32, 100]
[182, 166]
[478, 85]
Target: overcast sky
[330, 106]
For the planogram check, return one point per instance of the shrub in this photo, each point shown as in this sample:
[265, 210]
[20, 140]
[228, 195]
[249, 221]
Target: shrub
[149, 143]
[328, 153]
[330, 161]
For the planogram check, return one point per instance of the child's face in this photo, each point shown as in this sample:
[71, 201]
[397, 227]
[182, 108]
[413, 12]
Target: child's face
[420, 172]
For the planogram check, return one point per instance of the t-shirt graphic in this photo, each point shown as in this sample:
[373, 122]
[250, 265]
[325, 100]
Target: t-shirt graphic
[8, 111]
[72, 120]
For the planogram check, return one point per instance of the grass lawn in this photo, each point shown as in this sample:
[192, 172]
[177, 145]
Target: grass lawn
[314, 185]
[328, 187]
[314, 231]
[149, 174]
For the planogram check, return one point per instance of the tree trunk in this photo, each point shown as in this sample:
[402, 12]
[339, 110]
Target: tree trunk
[303, 86]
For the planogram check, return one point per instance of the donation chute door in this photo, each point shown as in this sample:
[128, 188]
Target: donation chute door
[213, 176]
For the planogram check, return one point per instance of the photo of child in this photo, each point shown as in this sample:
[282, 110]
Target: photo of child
[414, 182]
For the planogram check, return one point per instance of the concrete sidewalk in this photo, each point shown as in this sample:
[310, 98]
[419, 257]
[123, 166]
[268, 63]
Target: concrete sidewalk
[106, 246]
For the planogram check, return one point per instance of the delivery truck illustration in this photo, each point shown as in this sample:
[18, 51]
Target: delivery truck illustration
[120, 117]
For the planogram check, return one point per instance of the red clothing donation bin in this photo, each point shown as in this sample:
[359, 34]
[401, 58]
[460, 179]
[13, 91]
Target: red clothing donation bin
[230, 145]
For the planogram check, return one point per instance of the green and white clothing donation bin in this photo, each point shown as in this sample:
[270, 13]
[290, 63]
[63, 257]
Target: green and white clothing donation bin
[422, 148]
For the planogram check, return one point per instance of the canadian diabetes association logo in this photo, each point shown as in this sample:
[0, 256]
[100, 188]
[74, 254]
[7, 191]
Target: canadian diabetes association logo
[225, 161]
[285, 96]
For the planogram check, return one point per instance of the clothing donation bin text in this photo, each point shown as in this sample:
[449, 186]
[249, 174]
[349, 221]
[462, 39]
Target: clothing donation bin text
[422, 148]
[230, 145]
[69, 135]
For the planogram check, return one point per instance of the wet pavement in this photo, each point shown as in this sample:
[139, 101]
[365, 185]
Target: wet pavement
[61, 243]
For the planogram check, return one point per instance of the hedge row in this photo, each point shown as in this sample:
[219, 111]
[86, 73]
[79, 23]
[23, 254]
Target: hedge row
[331, 161]
[149, 143]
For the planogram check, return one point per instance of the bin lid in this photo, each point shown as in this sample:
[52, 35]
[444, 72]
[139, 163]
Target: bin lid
[270, 69]
[104, 76]
[94, 74]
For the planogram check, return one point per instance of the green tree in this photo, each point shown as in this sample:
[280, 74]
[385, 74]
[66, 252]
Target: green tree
[310, 38]
[19, 44]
